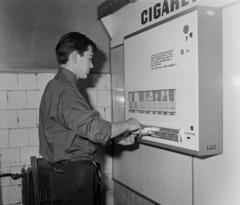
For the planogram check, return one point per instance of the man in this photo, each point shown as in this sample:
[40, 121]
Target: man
[69, 130]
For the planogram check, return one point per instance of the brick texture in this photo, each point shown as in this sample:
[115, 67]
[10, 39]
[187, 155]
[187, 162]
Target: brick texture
[20, 96]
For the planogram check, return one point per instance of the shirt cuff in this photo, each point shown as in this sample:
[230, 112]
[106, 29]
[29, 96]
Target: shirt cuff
[106, 132]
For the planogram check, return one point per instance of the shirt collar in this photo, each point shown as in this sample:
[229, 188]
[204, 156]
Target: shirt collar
[70, 75]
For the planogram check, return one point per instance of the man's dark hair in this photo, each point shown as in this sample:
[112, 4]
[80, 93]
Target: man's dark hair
[72, 41]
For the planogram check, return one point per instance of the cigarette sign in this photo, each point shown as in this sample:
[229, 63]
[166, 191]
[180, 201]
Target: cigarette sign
[163, 8]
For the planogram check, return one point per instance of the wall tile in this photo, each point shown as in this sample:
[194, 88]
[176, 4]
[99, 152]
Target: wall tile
[106, 164]
[8, 119]
[16, 170]
[110, 181]
[97, 81]
[104, 150]
[16, 99]
[24, 94]
[18, 137]
[33, 136]
[11, 194]
[104, 98]
[27, 82]
[37, 123]
[83, 83]
[105, 113]
[8, 81]
[5, 181]
[92, 97]
[10, 157]
[34, 99]
[104, 181]
[101, 111]
[108, 81]
[3, 100]
[27, 152]
[109, 197]
[43, 79]
[108, 111]
[27, 118]
[4, 139]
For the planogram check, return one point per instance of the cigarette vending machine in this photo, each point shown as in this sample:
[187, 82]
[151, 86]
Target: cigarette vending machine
[173, 82]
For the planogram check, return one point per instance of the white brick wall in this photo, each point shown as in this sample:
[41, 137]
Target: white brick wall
[8, 81]
[16, 100]
[4, 139]
[10, 157]
[27, 152]
[104, 98]
[27, 118]
[3, 100]
[98, 81]
[11, 195]
[16, 170]
[92, 97]
[5, 181]
[43, 79]
[33, 137]
[33, 99]
[8, 119]
[18, 138]
[99, 90]
[27, 82]
[20, 96]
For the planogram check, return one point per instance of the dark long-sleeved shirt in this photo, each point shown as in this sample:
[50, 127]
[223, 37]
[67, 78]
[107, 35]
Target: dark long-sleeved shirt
[68, 128]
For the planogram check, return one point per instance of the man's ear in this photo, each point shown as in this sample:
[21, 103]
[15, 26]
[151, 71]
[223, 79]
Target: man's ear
[74, 56]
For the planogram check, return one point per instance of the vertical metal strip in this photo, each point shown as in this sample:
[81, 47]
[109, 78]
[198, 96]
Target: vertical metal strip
[193, 199]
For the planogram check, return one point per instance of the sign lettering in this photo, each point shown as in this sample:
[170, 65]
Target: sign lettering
[163, 8]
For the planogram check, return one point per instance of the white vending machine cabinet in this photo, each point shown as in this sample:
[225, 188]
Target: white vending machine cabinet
[173, 82]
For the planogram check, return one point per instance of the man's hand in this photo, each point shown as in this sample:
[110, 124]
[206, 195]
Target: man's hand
[126, 131]
[133, 125]
[127, 138]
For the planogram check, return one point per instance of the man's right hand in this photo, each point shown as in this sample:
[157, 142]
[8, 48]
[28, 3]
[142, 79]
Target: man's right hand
[133, 125]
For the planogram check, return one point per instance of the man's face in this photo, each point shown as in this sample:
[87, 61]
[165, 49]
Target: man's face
[84, 64]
